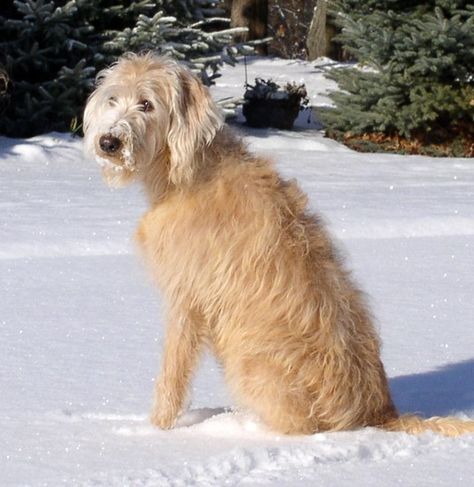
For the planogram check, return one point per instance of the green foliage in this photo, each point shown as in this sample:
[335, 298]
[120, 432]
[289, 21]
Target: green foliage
[53, 49]
[49, 60]
[416, 67]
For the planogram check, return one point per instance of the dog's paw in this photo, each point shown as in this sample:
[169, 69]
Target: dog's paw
[163, 419]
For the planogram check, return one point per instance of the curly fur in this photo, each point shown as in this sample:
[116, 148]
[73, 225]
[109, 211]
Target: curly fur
[245, 269]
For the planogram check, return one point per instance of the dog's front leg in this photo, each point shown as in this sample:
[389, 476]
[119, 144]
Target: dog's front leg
[184, 338]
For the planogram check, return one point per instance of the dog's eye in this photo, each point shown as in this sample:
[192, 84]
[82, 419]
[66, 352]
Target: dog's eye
[112, 100]
[146, 106]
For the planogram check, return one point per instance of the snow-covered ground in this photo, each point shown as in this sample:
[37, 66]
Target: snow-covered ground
[81, 324]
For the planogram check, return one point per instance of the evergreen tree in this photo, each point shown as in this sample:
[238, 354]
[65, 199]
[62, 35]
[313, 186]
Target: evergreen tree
[417, 68]
[52, 50]
[49, 60]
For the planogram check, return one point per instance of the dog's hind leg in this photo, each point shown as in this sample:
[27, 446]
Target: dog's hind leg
[265, 387]
[184, 338]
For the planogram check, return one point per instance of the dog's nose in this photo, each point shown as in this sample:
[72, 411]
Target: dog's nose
[109, 143]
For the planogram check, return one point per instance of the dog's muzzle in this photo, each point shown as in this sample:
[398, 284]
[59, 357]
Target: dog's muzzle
[109, 143]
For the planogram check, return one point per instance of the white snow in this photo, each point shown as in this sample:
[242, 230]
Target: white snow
[81, 324]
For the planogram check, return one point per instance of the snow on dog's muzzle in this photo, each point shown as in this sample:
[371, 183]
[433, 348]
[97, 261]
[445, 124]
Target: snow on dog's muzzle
[115, 148]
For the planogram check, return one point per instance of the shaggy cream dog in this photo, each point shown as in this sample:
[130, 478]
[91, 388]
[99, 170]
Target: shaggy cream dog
[246, 270]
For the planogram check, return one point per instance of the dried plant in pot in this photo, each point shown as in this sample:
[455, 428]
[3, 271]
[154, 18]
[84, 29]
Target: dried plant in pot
[266, 104]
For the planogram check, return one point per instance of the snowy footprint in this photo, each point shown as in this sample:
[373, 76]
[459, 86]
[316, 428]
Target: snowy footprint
[215, 422]
[199, 415]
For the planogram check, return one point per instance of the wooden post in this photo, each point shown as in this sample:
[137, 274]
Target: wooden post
[316, 42]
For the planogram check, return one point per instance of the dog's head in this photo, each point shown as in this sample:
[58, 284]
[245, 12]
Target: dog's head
[149, 110]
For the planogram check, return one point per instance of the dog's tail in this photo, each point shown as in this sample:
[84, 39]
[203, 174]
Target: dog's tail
[447, 426]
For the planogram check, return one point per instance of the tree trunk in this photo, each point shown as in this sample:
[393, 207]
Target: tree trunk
[321, 33]
[251, 14]
[316, 42]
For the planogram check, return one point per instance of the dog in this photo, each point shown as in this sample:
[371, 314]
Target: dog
[246, 270]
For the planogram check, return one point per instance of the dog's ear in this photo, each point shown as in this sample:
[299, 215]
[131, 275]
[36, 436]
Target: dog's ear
[194, 122]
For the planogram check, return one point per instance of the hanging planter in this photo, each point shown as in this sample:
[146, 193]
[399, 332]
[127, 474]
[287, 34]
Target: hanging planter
[266, 104]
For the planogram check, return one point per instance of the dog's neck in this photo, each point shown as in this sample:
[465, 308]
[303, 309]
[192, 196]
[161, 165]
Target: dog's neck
[155, 178]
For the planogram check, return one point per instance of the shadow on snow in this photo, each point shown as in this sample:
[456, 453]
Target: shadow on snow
[440, 392]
